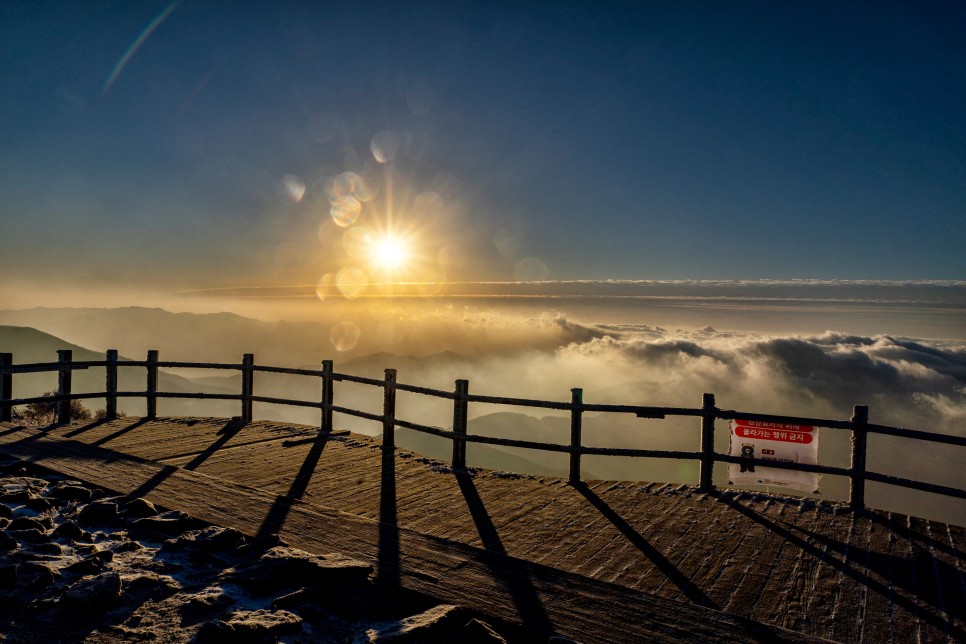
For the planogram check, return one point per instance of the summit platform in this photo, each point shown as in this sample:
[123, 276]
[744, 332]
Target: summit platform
[592, 559]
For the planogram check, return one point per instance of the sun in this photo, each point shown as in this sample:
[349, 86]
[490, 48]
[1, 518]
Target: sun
[389, 253]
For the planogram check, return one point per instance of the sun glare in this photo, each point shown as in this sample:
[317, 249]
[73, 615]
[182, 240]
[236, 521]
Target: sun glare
[389, 253]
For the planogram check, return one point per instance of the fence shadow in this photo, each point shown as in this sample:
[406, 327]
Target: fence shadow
[276, 515]
[859, 564]
[520, 586]
[388, 564]
[674, 575]
[110, 437]
[226, 433]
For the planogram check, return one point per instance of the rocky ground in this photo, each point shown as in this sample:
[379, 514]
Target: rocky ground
[80, 564]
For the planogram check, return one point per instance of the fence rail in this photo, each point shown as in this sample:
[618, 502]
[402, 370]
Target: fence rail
[708, 413]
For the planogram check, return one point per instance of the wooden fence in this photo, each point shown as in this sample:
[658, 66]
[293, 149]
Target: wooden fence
[858, 424]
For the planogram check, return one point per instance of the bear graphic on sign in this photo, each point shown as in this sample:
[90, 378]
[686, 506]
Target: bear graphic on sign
[747, 457]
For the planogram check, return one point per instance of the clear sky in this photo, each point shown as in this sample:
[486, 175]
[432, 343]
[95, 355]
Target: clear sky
[203, 144]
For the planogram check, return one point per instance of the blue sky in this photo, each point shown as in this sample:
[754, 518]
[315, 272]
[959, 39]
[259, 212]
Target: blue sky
[590, 140]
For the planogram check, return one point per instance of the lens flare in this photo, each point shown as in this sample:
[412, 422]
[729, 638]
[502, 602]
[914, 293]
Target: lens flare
[291, 189]
[326, 287]
[352, 282]
[530, 269]
[345, 211]
[344, 336]
[385, 145]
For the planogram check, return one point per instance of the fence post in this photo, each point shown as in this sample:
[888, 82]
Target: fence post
[389, 411]
[64, 357]
[248, 385]
[327, 391]
[576, 399]
[6, 388]
[150, 394]
[859, 420]
[110, 376]
[707, 443]
[459, 424]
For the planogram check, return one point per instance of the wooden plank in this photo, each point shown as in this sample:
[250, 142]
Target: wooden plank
[665, 539]
[846, 604]
[712, 547]
[876, 623]
[828, 577]
[555, 602]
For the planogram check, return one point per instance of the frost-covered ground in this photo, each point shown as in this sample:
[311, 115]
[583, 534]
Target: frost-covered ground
[80, 564]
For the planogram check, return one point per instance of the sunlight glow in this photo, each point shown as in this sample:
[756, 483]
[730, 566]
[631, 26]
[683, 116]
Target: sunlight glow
[389, 253]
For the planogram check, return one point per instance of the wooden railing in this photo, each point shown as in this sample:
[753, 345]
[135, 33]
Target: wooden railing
[708, 413]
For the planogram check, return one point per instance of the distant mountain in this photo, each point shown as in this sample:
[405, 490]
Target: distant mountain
[30, 345]
[213, 337]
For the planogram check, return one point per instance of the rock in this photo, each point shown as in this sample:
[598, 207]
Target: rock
[96, 593]
[260, 544]
[36, 575]
[7, 542]
[292, 599]
[49, 548]
[71, 492]
[5, 511]
[210, 539]
[202, 605]
[437, 624]
[8, 575]
[128, 546]
[151, 582]
[38, 503]
[283, 565]
[30, 536]
[68, 530]
[98, 512]
[478, 632]
[170, 524]
[250, 626]
[14, 493]
[27, 523]
[140, 508]
[86, 566]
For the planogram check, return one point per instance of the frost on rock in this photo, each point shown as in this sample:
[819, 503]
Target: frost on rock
[432, 625]
[291, 566]
[250, 626]
[209, 539]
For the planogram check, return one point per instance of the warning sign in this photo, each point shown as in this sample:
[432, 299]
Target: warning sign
[756, 443]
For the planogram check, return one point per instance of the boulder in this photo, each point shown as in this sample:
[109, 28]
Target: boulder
[36, 575]
[68, 530]
[479, 632]
[71, 492]
[27, 523]
[94, 593]
[438, 624]
[204, 604]
[8, 542]
[38, 503]
[170, 524]
[140, 508]
[31, 535]
[250, 626]
[210, 539]
[98, 512]
[286, 566]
